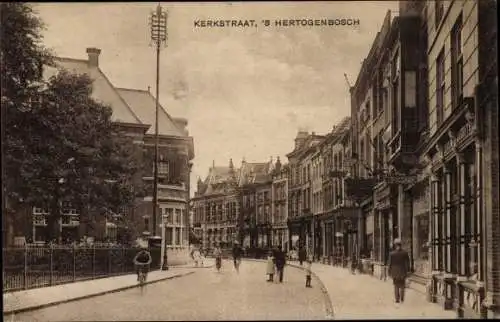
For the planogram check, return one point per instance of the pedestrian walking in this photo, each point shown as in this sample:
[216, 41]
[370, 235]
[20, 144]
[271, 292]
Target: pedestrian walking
[237, 253]
[308, 271]
[218, 258]
[302, 255]
[270, 267]
[399, 267]
[354, 262]
[280, 261]
[196, 255]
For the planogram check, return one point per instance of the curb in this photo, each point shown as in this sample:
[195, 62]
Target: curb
[326, 297]
[123, 288]
[328, 301]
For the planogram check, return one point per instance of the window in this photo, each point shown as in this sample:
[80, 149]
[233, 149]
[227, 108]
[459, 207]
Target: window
[440, 86]
[438, 12]
[395, 107]
[395, 66]
[146, 224]
[163, 168]
[362, 157]
[385, 105]
[456, 63]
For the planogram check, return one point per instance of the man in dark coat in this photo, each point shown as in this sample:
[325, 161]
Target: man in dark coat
[302, 255]
[399, 267]
[280, 261]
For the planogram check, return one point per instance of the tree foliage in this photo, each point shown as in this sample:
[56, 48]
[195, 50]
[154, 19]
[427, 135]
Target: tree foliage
[61, 144]
[22, 52]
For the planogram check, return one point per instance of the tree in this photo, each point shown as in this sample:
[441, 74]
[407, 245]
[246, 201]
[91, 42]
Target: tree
[60, 144]
[22, 58]
[73, 153]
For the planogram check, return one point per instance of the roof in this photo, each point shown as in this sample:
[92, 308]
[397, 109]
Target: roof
[254, 173]
[219, 180]
[102, 90]
[143, 104]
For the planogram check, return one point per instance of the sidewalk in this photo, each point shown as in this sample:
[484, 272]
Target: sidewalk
[362, 296]
[28, 300]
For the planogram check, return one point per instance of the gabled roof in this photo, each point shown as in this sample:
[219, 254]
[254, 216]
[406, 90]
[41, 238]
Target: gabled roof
[102, 90]
[219, 180]
[254, 173]
[143, 103]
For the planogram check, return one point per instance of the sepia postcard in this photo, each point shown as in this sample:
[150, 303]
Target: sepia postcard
[301, 160]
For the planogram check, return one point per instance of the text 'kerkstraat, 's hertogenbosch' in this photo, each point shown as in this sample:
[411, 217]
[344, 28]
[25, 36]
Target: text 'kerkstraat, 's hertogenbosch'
[303, 22]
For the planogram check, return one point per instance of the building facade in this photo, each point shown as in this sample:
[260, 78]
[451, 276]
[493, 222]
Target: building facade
[336, 225]
[234, 204]
[389, 108]
[217, 208]
[462, 152]
[255, 186]
[133, 113]
[303, 228]
[279, 208]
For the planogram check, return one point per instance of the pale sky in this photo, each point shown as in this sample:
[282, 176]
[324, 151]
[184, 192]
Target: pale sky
[248, 90]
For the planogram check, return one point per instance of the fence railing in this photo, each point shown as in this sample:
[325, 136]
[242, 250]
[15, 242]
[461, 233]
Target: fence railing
[34, 266]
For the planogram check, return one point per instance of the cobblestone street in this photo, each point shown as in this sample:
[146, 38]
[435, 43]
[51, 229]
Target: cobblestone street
[204, 295]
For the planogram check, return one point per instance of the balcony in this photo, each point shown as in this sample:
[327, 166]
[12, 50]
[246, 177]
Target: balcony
[402, 150]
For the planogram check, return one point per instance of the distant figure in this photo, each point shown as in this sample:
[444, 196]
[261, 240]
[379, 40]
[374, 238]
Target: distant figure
[270, 266]
[280, 261]
[308, 271]
[302, 254]
[354, 262]
[399, 267]
[237, 253]
[218, 257]
[196, 255]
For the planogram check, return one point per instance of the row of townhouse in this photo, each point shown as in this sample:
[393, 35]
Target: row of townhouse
[248, 204]
[424, 129]
[133, 111]
[265, 205]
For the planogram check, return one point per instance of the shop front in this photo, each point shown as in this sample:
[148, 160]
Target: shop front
[301, 226]
[385, 227]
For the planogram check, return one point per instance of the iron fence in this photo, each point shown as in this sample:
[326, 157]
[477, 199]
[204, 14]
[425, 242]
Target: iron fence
[32, 267]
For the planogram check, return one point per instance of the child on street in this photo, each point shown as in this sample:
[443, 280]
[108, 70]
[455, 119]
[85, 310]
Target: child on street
[308, 271]
[270, 267]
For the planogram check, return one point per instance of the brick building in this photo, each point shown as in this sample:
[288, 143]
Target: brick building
[216, 206]
[279, 210]
[462, 152]
[337, 240]
[234, 204]
[133, 112]
[255, 185]
[303, 227]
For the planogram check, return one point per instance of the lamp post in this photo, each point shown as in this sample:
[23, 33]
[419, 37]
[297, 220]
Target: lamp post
[158, 21]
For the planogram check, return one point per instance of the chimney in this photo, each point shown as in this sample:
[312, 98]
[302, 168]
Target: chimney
[93, 56]
[300, 139]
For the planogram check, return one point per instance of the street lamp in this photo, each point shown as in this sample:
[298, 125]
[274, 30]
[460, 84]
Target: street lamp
[158, 22]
